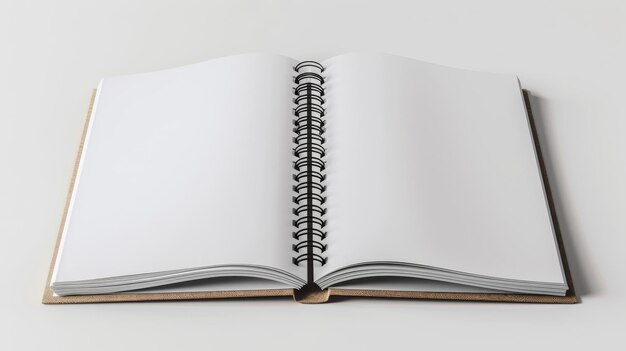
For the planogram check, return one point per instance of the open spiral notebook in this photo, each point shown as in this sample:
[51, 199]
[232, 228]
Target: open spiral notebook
[260, 175]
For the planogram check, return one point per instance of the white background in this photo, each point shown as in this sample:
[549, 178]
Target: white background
[570, 54]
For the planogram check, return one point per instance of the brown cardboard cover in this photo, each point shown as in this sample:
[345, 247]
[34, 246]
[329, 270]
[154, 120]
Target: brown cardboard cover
[308, 295]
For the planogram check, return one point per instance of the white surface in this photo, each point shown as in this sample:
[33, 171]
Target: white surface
[570, 54]
[433, 166]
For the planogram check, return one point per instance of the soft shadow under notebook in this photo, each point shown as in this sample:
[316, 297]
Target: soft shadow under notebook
[364, 175]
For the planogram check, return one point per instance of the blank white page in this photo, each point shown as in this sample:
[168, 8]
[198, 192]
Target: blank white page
[185, 168]
[434, 166]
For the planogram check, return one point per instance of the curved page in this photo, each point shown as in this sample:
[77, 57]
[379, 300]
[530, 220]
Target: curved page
[185, 168]
[433, 166]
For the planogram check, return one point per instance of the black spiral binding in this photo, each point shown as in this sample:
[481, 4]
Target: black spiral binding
[309, 165]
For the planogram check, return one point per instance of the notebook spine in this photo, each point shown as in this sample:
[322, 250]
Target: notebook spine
[309, 166]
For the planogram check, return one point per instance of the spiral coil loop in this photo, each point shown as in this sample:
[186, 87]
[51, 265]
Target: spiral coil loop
[309, 165]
